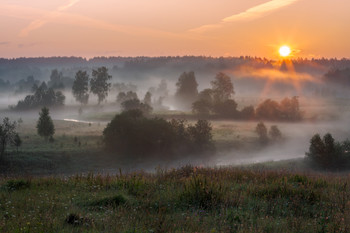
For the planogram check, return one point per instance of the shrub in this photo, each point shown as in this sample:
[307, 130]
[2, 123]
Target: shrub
[13, 185]
[131, 133]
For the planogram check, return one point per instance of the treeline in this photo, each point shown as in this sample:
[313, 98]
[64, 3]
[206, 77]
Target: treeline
[97, 61]
[338, 76]
[218, 101]
[16, 69]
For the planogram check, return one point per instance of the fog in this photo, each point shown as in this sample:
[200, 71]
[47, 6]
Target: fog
[324, 104]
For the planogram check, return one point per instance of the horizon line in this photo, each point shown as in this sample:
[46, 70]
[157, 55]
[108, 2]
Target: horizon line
[173, 56]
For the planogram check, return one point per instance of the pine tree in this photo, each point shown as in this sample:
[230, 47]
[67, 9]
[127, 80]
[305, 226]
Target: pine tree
[45, 125]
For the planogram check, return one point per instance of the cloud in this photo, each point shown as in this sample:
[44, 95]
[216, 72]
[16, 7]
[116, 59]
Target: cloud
[62, 17]
[260, 10]
[4, 43]
[250, 14]
[38, 23]
[27, 45]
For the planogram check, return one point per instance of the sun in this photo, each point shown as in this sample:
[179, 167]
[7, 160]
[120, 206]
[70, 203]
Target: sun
[284, 51]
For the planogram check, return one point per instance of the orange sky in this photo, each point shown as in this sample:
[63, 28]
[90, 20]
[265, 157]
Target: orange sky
[313, 28]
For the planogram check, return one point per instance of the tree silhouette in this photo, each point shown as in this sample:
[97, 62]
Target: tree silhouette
[43, 96]
[327, 153]
[45, 126]
[201, 136]
[261, 130]
[56, 81]
[122, 96]
[222, 87]
[275, 133]
[130, 133]
[17, 141]
[99, 84]
[7, 134]
[134, 104]
[187, 88]
[204, 105]
[80, 87]
[148, 98]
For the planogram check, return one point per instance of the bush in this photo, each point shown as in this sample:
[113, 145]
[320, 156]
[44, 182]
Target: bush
[13, 185]
[131, 133]
[134, 104]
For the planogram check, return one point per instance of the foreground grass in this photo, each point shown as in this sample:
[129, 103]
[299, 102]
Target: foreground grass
[184, 200]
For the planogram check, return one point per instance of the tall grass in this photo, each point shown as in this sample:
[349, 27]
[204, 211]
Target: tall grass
[188, 199]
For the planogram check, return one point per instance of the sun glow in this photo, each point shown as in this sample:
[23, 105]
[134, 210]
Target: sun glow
[284, 51]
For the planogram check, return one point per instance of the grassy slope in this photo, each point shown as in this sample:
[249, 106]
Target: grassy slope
[184, 200]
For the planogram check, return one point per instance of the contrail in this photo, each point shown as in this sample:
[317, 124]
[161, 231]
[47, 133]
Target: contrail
[250, 14]
[38, 23]
[260, 10]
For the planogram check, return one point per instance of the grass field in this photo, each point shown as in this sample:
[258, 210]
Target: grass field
[73, 185]
[188, 199]
[78, 148]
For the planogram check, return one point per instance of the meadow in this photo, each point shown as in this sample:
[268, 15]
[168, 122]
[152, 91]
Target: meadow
[188, 199]
[73, 185]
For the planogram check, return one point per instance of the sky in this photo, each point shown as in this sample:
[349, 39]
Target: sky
[88, 28]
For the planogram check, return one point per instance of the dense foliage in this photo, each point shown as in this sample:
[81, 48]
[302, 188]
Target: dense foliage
[8, 135]
[43, 96]
[286, 110]
[186, 88]
[218, 99]
[328, 154]
[131, 133]
[99, 83]
[80, 87]
[45, 126]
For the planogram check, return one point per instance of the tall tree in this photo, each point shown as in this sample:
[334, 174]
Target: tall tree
[275, 133]
[148, 98]
[45, 126]
[99, 84]
[17, 141]
[201, 136]
[187, 91]
[56, 80]
[80, 87]
[222, 87]
[7, 134]
[261, 130]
